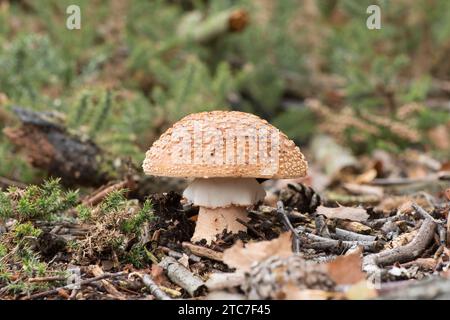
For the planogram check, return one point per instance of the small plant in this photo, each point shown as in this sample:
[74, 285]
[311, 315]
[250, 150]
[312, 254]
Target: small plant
[38, 202]
[26, 230]
[33, 267]
[5, 206]
[139, 256]
[5, 275]
[134, 224]
[84, 212]
[3, 251]
[114, 202]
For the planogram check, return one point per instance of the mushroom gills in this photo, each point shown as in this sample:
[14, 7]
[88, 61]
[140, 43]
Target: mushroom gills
[224, 192]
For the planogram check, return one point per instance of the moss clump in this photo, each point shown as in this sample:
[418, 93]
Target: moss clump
[115, 230]
[37, 202]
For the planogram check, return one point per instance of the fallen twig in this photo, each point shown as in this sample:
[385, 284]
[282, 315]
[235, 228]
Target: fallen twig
[404, 253]
[72, 285]
[180, 275]
[97, 197]
[433, 288]
[155, 291]
[203, 251]
[284, 218]
[47, 279]
[97, 271]
[220, 281]
[423, 212]
[343, 234]
[178, 255]
[322, 243]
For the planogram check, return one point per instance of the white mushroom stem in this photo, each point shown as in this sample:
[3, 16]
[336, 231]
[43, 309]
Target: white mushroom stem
[211, 222]
[222, 201]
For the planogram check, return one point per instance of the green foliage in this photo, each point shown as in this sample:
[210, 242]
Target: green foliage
[428, 119]
[32, 266]
[38, 202]
[5, 275]
[26, 230]
[3, 251]
[135, 223]
[45, 201]
[139, 256]
[298, 123]
[84, 212]
[6, 209]
[12, 165]
[114, 201]
[28, 65]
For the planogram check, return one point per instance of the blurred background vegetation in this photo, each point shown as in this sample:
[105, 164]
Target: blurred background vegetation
[307, 66]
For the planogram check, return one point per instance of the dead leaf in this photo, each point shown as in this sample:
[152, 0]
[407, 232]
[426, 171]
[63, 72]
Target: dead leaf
[346, 269]
[184, 260]
[362, 290]
[366, 177]
[291, 292]
[346, 213]
[242, 258]
[157, 273]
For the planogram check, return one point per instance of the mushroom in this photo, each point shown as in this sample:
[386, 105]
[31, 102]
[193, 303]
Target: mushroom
[225, 152]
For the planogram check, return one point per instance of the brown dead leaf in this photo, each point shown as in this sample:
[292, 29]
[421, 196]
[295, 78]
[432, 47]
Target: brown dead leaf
[366, 177]
[157, 273]
[291, 292]
[362, 290]
[346, 213]
[242, 258]
[346, 269]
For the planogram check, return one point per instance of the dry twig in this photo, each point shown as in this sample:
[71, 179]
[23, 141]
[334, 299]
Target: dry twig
[203, 251]
[404, 253]
[70, 286]
[152, 286]
[180, 275]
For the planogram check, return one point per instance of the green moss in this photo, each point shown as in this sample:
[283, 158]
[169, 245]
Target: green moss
[134, 224]
[26, 230]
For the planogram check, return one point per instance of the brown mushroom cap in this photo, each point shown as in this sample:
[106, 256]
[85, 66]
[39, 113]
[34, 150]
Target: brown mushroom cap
[219, 131]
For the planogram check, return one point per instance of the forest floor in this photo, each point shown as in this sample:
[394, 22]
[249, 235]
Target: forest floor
[348, 235]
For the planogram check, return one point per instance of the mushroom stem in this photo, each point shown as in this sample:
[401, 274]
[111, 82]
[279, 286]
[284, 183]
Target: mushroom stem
[212, 221]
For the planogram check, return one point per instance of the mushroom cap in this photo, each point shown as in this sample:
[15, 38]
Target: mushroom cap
[224, 144]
